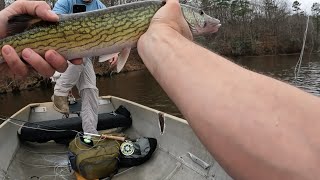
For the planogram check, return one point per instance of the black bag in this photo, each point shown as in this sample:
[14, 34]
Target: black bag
[123, 111]
[136, 152]
[122, 118]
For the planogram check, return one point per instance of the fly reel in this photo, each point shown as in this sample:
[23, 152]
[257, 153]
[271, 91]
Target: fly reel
[127, 148]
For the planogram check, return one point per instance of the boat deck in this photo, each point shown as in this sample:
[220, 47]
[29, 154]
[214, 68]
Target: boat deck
[49, 161]
[170, 161]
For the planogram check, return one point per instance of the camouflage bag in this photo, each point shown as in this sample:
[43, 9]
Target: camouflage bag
[94, 159]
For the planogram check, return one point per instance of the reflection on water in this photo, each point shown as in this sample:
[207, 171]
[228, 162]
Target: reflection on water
[141, 87]
[137, 86]
[283, 67]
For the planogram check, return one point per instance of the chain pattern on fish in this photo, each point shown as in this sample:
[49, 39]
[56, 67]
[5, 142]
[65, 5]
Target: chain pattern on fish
[90, 33]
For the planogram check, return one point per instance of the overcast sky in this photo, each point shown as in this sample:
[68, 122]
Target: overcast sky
[305, 4]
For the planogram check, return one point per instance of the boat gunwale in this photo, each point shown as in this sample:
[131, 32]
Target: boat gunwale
[149, 108]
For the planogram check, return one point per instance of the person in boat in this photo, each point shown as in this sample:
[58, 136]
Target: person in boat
[83, 76]
[255, 126]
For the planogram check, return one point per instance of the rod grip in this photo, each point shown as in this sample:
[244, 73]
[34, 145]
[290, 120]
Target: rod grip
[118, 138]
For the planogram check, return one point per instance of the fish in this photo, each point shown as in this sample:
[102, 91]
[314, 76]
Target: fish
[103, 32]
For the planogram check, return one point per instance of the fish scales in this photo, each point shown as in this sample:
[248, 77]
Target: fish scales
[90, 33]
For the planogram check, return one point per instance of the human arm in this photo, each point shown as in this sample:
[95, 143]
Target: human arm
[255, 126]
[45, 66]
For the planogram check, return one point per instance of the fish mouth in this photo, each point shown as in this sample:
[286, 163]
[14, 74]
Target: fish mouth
[215, 28]
[210, 29]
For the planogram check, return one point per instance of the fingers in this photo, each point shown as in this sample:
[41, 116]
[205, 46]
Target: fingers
[56, 61]
[45, 67]
[76, 61]
[172, 1]
[13, 61]
[180, 20]
[171, 15]
[35, 8]
[37, 62]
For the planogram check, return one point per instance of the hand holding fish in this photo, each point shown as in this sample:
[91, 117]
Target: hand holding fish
[46, 67]
[34, 8]
[172, 20]
[170, 17]
[95, 33]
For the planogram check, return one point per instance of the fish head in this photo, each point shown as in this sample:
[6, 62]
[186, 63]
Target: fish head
[199, 22]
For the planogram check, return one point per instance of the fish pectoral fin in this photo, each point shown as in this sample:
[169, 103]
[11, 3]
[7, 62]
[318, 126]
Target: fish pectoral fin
[22, 22]
[122, 59]
[107, 57]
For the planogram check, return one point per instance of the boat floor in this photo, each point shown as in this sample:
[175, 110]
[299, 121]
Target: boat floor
[49, 161]
[35, 161]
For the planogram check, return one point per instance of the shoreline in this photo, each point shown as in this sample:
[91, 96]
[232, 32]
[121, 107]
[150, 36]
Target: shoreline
[134, 63]
[34, 80]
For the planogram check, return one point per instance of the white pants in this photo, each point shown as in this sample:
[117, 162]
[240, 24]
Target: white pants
[84, 77]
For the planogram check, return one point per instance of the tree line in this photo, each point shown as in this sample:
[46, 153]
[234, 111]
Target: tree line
[260, 27]
[255, 27]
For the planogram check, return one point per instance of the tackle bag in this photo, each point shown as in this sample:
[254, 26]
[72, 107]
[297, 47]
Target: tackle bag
[95, 158]
[136, 152]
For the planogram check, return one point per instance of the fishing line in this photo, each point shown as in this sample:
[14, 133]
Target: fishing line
[28, 122]
[79, 134]
[59, 164]
[4, 174]
[298, 65]
[47, 158]
[75, 142]
[312, 40]
[59, 170]
[55, 129]
[56, 165]
[36, 128]
[39, 152]
[63, 167]
[41, 165]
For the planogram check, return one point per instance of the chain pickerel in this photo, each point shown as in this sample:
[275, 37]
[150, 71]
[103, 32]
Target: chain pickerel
[100, 32]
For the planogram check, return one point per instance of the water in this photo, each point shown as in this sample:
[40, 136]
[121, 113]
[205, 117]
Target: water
[283, 67]
[141, 87]
[137, 86]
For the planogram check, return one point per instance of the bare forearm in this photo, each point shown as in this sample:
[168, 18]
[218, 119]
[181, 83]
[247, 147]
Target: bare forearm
[257, 127]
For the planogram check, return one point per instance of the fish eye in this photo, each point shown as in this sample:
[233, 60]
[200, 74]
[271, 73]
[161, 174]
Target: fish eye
[204, 24]
[201, 12]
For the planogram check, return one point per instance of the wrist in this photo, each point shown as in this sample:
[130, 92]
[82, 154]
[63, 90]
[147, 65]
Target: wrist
[165, 41]
[157, 37]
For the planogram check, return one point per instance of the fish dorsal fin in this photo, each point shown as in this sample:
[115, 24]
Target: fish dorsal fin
[22, 22]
